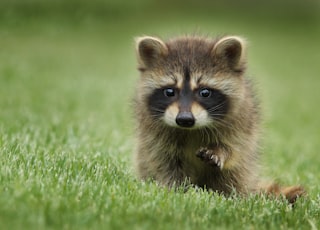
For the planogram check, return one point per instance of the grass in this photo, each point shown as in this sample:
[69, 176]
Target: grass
[66, 132]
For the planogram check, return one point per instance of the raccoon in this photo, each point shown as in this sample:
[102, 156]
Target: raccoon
[198, 120]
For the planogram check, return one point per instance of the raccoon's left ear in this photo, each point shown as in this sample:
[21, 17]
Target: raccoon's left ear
[230, 53]
[150, 51]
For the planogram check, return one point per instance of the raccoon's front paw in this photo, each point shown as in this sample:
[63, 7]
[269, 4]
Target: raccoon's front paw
[211, 157]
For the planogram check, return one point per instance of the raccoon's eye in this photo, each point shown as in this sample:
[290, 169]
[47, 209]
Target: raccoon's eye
[169, 92]
[205, 92]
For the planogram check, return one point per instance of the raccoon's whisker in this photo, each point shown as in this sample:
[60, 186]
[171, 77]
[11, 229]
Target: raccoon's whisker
[203, 135]
[216, 134]
[155, 116]
[215, 108]
[224, 124]
[219, 114]
[221, 122]
[213, 134]
[207, 136]
[157, 110]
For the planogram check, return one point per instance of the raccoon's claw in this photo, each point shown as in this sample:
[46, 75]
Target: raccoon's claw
[208, 156]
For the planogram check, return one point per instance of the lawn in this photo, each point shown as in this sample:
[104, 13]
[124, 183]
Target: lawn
[67, 73]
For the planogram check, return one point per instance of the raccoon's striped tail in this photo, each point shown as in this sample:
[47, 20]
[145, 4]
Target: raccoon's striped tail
[291, 193]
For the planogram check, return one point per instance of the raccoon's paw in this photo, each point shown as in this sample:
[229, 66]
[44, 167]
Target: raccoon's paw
[211, 157]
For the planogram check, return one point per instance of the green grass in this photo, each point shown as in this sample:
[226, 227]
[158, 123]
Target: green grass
[66, 132]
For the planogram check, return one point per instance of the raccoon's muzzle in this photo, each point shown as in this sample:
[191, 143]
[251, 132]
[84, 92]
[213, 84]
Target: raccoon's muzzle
[185, 119]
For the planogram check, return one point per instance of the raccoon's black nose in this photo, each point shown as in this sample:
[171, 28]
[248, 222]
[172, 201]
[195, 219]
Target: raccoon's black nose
[185, 119]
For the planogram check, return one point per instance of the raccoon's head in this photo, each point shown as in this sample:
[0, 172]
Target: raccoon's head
[191, 82]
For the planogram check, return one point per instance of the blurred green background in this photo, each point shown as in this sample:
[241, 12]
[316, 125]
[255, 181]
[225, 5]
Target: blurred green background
[87, 46]
[68, 71]
[74, 61]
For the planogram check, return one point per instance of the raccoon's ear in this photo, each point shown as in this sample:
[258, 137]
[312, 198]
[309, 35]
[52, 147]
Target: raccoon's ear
[150, 50]
[230, 53]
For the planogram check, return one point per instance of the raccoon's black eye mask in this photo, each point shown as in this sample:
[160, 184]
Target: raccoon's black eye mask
[160, 99]
[212, 100]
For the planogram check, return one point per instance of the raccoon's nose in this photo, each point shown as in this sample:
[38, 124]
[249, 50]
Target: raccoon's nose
[185, 119]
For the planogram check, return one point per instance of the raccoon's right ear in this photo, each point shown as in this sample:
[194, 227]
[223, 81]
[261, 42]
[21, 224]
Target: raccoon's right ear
[150, 50]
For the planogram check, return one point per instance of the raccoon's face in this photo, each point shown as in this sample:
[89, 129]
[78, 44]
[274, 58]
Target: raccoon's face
[190, 83]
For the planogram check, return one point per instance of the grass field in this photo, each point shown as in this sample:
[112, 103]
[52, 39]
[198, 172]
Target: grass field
[67, 72]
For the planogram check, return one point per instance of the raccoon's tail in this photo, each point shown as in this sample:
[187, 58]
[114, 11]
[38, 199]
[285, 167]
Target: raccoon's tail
[291, 193]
